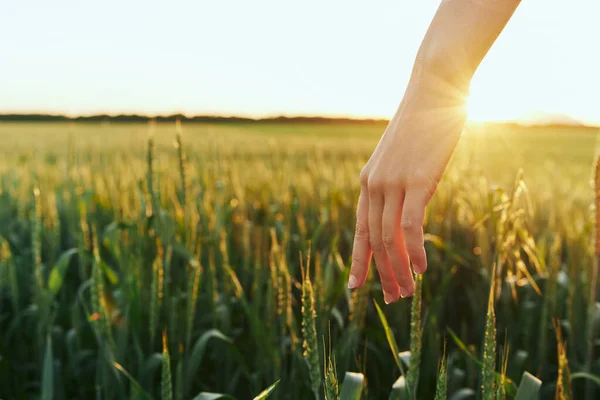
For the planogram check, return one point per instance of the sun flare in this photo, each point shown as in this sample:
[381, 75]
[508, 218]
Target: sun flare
[485, 105]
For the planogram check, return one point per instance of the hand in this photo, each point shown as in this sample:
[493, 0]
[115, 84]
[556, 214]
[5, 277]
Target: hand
[397, 183]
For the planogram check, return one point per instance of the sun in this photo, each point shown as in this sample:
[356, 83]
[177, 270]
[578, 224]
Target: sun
[487, 102]
[479, 110]
[472, 112]
[484, 105]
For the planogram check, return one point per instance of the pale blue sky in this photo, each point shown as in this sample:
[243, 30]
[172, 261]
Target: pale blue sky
[269, 57]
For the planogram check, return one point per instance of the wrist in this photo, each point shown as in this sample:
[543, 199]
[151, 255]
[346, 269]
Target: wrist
[444, 70]
[435, 90]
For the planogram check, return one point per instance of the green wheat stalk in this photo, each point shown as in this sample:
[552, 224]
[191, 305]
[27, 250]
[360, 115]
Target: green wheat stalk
[83, 241]
[412, 377]
[166, 387]
[593, 282]
[182, 162]
[548, 307]
[441, 386]
[488, 374]
[156, 292]
[150, 176]
[501, 378]
[309, 332]
[331, 380]
[13, 280]
[36, 240]
[193, 285]
[563, 382]
[99, 309]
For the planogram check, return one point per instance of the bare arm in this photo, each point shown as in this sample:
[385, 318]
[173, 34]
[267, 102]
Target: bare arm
[402, 175]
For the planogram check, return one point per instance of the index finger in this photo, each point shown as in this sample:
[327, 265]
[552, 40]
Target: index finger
[361, 249]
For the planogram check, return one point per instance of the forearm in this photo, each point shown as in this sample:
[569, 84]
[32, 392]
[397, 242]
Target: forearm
[458, 38]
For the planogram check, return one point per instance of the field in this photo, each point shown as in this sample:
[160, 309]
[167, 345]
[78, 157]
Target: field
[137, 262]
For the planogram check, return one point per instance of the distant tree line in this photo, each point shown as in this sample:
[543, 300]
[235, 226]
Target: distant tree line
[214, 119]
[181, 117]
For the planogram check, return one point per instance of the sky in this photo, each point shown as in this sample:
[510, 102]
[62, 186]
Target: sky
[278, 57]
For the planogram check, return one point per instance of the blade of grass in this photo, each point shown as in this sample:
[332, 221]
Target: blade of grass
[198, 352]
[265, 393]
[48, 372]
[352, 386]
[585, 375]
[529, 387]
[135, 385]
[391, 341]
[511, 388]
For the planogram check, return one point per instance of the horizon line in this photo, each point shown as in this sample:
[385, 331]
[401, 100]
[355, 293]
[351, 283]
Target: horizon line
[171, 117]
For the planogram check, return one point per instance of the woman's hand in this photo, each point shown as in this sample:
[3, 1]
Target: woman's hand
[397, 183]
[405, 168]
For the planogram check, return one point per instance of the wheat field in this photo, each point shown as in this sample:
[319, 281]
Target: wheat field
[210, 261]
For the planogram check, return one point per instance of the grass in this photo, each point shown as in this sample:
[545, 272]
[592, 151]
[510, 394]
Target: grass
[111, 240]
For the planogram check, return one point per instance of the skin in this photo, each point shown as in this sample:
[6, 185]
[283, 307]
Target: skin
[403, 172]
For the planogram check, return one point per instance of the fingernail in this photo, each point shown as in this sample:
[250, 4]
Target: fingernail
[352, 282]
[404, 293]
[418, 269]
[388, 297]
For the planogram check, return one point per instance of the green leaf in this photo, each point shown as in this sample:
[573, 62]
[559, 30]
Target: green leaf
[48, 372]
[393, 345]
[198, 354]
[115, 226]
[110, 274]
[134, 384]
[265, 393]
[352, 386]
[440, 244]
[405, 358]
[182, 251]
[585, 375]
[400, 390]
[509, 385]
[529, 387]
[390, 337]
[149, 369]
[57, 275]
[213, 396]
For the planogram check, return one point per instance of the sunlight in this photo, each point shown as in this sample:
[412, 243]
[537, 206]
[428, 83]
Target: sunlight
[475, 111]
[485, 104]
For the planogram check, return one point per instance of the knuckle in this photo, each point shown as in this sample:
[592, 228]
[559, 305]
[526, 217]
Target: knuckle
[375, 185]
[380, 185]
[393, 184]
[388, 240]
[420, 181]
[409, 226]
[376, 245]
[364, 176]
[361, 231]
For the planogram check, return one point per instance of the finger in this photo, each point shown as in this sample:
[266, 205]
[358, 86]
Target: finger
[391, 290]
[393, 240]
[413, 214]
[361, 250]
